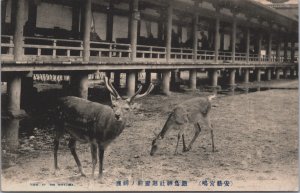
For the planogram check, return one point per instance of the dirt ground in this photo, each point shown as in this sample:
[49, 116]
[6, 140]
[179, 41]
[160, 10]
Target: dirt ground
[256, 137]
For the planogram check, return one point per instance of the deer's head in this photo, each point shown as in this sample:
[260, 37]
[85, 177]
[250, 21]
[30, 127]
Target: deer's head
[155, 143]
[122, 106]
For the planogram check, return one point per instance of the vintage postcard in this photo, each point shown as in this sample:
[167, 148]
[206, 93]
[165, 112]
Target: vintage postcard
[149, 95]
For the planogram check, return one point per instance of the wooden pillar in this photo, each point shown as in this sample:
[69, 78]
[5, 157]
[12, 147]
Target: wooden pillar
[87, 29]
[278, 70]
[134, 28]
[19, 28]
[292, 51]
[246, 75]
[233, 37]
[258, 75]
[3, 12]
[285, 50]
[217, 34]
[166, 76]
[269, 48]
[232, 77]
[193, 79]
[11, 132]
[278, 46]
[213, 75]
[80, 84]
[169, 30]
[247, 44]
[14, 94]
[259, 45]
[148, 77]
[130, 83]
[268, 74]
[110, 22]
[195, 35]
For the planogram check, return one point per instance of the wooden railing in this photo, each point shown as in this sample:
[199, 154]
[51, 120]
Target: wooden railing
[52, 47]
[67, 49]
[205, 55]
[151, 52]
[7, 45]
[110, 50]
[182, 54]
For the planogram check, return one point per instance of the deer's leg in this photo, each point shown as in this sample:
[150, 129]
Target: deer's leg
[197, 132]
[101, 156]
[59, 131]
[183, 143]
[212, 138]
[72, 146]
[94, 157]
[178, 138]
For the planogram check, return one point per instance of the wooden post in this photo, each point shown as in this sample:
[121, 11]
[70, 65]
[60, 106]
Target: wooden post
[14, 94]
[130, 76]
[193, 79]
[270, 48]
[285, 50]
[169, 30]
[232, 77]
[19, 28]
[87, 30]
[268, 74]
[258, 75]
[247, 44]
[233, 37]
[278, 49]
[166, 76]
[134, 28]
[292, 51]
[246, 75]
[32, 16]
[195, 31]
[259, 46]
[217, 33]
[213, 75]
[75, 18]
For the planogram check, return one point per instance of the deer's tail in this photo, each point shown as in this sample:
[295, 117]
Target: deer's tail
[211, 97]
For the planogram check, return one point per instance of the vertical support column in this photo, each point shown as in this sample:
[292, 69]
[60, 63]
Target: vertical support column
[18, 33]
[268, 74]
[278, 46]
[14, 94]
[233, 37]
[117, 79]
[193, 79]
[148, 77]
[87, 30]
[232, 77]
[166, 76]
[277, 73]
[246, 75]
[285, 73]
[259, 46]
[213, 75]
[169, 30]
[285, 50]
[32, 15]
[258, 75]
[247, 44]
[293, 51]
[134, 28]
[130, 76]
[80, 84]
[195, 35]
[217, 33]
[270, 48]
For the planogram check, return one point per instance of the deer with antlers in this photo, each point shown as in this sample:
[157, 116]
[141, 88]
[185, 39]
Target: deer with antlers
[194, 111]
[93, 123]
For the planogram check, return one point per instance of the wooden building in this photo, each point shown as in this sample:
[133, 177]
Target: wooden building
[81, 37]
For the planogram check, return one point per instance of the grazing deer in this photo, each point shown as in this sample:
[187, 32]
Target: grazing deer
[94, 123]
[195, 111]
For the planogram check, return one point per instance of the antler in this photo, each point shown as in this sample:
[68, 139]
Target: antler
[110, 87]
[137, 95]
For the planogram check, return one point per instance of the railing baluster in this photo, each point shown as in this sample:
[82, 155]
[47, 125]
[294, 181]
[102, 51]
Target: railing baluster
[54, 48]
[11, 49]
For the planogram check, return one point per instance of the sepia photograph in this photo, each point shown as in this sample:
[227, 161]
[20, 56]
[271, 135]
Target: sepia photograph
[149, 95]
